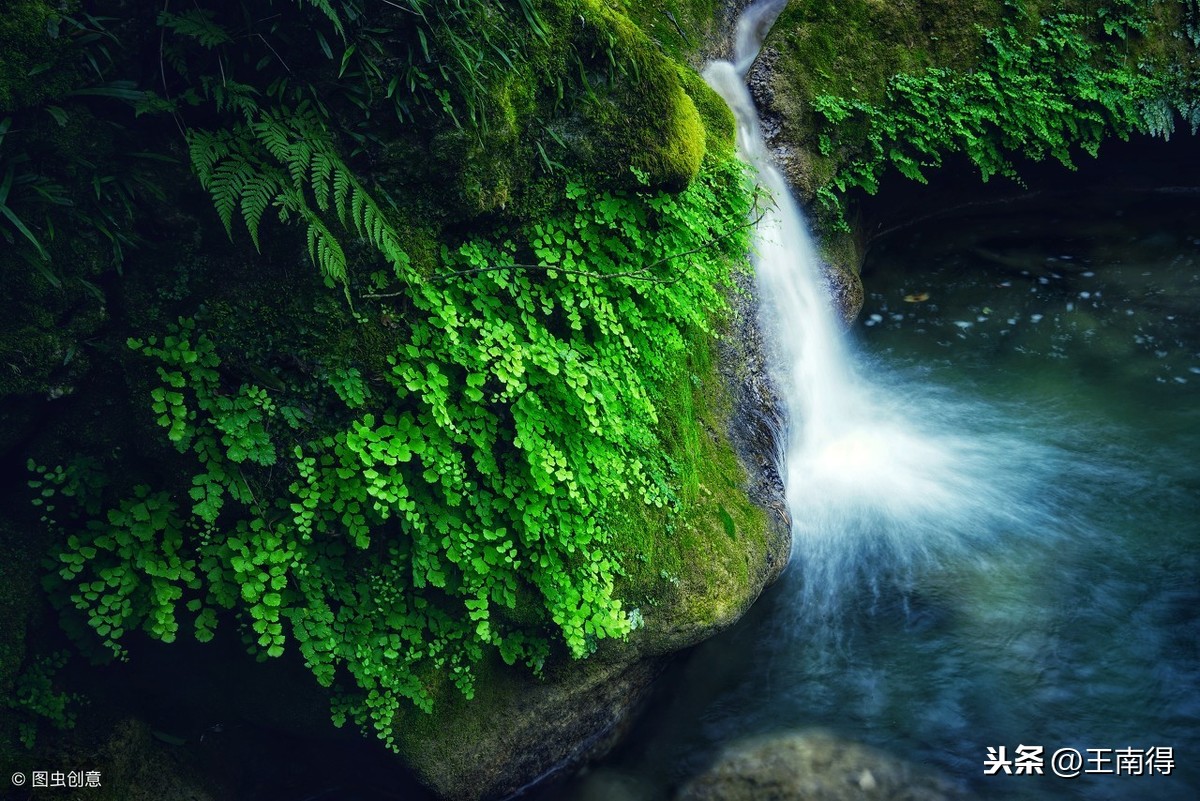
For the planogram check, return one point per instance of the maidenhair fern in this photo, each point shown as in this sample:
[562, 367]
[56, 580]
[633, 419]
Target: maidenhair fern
[463, 500]
[1042, 88]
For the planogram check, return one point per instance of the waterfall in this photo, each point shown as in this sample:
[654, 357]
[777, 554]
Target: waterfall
[882, 481]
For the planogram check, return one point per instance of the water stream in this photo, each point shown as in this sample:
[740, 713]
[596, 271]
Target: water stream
[993, 484]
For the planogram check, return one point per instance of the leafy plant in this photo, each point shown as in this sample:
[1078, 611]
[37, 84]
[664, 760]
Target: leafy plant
[276, 160]
[36, 700]
[1042, 88]
[461, 501]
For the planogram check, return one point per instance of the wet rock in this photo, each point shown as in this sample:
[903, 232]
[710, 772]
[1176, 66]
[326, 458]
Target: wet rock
[757, 411]
[720, 45]
[815, 766]
[845, 291]
[611, 785]
[520, 732]
[842, 254]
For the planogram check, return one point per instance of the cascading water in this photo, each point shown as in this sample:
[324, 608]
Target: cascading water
[876, 485]
[996, 537]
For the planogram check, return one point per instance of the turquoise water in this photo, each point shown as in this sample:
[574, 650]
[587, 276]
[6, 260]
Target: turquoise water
[1052, 596]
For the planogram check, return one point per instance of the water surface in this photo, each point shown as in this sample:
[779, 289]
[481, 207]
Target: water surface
[1034, 370]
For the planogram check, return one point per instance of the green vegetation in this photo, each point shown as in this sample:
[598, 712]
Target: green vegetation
[452, 460]
[433, 390]
[34, 699]
[462, 498]
[994, 81]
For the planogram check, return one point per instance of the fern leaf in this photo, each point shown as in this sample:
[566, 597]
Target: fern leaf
[343, 185]
[323, 166]
[257, 193]
[276, 137]
[206, 148]
[326, 8]
[358, 205]
[228, 180]
[197, 24]
[329, 254]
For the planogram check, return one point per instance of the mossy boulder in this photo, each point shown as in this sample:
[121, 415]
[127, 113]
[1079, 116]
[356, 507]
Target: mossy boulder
[690, 578]
[855, 93]
[815, 766]
[590, 94]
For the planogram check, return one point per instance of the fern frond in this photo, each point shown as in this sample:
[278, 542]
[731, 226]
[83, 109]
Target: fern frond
[343, 186]
[197, 24]
[323, 169]
[233, 96]
[227, 182]
[276, 136]
[324, 249]
[326, 8]
[357, 210]
[206, 148]
[280, 158]
[258, 192]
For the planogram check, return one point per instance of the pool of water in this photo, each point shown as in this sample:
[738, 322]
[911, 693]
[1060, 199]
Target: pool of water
[1045, 590]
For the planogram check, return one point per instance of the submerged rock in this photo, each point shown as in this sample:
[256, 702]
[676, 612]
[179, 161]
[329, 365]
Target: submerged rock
[815, 766]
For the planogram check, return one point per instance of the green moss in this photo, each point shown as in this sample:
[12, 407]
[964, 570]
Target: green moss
[634, 111]
[33, 44]
[671, 153]
[682, 29]
[851, 49]
[719, 124]
[694, 569]
[594, 95]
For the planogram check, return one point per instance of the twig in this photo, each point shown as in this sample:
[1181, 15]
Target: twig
[273, 50]
[675, 22]
[162, 71]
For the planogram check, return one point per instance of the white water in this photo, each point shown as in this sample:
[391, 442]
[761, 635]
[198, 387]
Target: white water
[883, 481]
[995, 534]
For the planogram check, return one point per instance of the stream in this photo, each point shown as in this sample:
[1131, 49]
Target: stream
[994, 486]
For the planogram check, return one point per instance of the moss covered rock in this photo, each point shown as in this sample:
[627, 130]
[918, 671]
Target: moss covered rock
[689, 579]
[853, 93]
[636, 119]
[815, 766]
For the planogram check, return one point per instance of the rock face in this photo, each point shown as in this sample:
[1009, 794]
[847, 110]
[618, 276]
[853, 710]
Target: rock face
[523, 732]
[520, 731]
[815, 766]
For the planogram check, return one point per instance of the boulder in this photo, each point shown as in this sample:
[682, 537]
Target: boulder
[815, 766]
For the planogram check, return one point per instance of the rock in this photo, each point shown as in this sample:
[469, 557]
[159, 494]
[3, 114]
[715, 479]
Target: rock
[611, 785]
[519, 731]
[815, 766]
[805, 171]
[845, 290]
[757, 410]
[138, 766]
